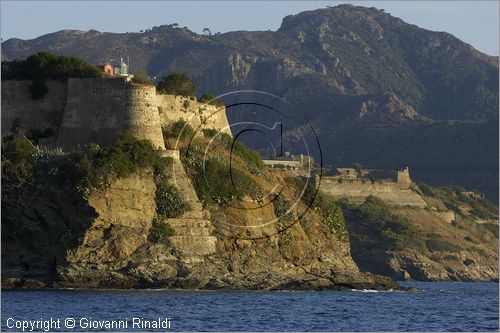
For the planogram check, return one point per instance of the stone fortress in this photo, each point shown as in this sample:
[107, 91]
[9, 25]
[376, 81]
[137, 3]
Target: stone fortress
[392, 186]
[83, 111]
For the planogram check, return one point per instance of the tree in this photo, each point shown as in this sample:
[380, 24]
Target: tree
[177, 84]
[207, 31]
[211, 99]
[140, 76]
[46, 65]
[357, 167]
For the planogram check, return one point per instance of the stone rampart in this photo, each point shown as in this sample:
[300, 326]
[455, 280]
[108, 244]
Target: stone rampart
[198, 115]
[358, 189]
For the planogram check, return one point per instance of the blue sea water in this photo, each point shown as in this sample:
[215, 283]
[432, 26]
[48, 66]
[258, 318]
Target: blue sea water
[435, 307]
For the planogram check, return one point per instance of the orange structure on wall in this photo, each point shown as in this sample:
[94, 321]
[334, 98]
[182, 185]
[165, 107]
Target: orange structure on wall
[107, 69]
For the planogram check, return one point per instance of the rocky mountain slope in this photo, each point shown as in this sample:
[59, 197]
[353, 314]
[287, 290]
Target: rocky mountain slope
[378, 91]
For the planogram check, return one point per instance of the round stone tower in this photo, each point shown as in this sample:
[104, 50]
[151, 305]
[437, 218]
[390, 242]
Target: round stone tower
[142, 112]
[99, 110]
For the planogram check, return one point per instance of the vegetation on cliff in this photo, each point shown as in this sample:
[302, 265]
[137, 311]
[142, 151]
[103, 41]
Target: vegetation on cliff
[391, 229]
[457, 198]
[211, 99]
[26, 167]
[214, 179]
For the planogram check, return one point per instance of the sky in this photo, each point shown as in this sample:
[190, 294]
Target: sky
[475, 22]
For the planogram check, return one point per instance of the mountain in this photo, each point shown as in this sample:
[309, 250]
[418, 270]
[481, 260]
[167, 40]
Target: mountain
[376, 90]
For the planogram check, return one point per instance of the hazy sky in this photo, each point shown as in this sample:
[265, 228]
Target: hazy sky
[475, 22]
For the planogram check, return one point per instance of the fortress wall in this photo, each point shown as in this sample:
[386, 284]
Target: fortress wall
[358, 190]
[29, 114]
[199, 115]
[214, 117]
[173, 108]
[98, 110]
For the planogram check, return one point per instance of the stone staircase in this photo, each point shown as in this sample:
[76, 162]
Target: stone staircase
[193, 230]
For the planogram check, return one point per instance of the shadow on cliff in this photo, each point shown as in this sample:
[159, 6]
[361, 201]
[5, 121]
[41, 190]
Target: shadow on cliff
[38, 230]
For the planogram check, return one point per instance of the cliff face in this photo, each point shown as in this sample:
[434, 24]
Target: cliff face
[103, 242]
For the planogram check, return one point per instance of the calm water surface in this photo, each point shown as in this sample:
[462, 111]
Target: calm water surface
[436, 307]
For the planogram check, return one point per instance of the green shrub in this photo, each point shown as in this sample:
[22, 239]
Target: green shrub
[453, 198]
[121, 159]
[211, 99]
[177, 84]
[250, 157]
[470, 239]
[225, 139]
[141, 77]
[331, 213]
[160, 232]
[281, 207]
[306, 226]
[391, 227]
[178, 130]
[169, 202]
[295, 182]
[209, 132]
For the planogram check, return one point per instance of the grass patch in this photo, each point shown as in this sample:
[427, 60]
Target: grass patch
[212, 181]
[250, 157]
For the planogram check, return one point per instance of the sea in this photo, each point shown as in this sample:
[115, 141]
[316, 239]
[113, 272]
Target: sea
[435, 306]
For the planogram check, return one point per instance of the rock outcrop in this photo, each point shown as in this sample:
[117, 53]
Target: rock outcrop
[102, 242]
